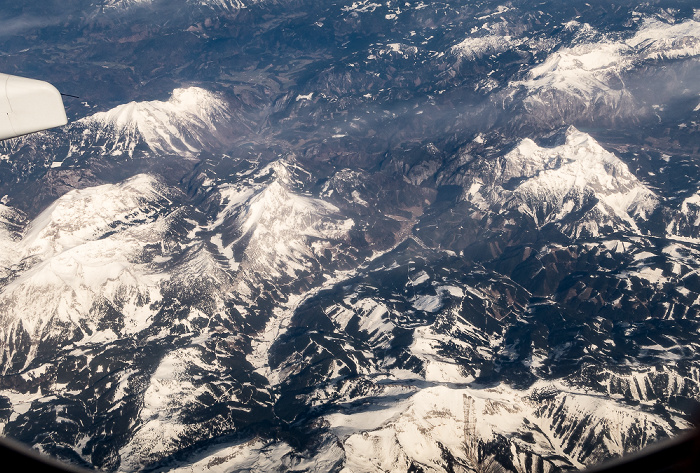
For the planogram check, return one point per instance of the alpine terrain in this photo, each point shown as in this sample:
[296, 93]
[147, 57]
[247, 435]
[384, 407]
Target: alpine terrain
[352, 236]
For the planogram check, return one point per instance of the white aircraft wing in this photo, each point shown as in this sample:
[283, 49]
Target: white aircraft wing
[28, 105]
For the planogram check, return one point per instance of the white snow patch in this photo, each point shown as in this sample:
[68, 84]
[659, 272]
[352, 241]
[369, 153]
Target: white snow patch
[427, 303]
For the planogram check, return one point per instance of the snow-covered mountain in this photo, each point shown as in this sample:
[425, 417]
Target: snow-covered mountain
[82, 258]
[277, 233]
[475, 47]
[457, 426]
[355, 236]
[577, 186]
[441, 428]
[592, 73]
[188, 122]
[124, 3]
[227, 5]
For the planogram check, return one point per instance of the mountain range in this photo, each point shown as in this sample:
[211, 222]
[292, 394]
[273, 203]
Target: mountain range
[314, 236]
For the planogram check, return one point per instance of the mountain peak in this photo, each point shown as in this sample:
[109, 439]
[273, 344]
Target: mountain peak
[183, 124]
[549, 184]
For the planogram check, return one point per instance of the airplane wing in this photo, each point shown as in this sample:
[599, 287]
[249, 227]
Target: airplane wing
[28, 105]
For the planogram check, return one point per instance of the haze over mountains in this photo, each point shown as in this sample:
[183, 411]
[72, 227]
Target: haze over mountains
[316, 236]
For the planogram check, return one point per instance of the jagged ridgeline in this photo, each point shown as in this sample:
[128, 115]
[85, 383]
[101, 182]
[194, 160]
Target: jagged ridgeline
[352, 236]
